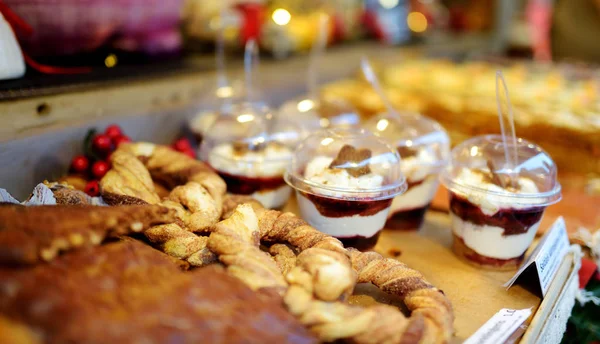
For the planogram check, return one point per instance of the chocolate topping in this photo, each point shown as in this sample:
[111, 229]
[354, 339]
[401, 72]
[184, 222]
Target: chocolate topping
[406, 152]
[355, 161]
[243, 147]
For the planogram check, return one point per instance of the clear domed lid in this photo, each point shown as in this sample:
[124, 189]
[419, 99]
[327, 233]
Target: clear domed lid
[348, 164]
[478, 167]
[422, 142]
[312, 114]
[247, 140]
[224, 100]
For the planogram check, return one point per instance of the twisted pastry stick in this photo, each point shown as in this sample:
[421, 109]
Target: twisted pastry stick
[197, 203]
[394, 277]
[172, 168]
[236, 242]
[323, 266]
[284, 257]
[431, 319]
[182, 244]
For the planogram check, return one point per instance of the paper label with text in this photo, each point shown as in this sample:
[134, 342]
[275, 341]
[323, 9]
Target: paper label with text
[500, 327]
[547, 256]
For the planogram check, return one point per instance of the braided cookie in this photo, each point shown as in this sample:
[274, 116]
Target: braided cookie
[196, 196]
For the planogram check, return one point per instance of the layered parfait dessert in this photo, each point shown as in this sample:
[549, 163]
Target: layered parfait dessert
[345, 181]
[250, 157]
[424, 148]
[496, 211]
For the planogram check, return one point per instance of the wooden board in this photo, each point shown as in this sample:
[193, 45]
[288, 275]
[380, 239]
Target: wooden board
[476, 294]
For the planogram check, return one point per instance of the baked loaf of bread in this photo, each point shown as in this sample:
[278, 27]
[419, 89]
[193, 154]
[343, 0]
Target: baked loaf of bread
[40, 233]
[127, 292]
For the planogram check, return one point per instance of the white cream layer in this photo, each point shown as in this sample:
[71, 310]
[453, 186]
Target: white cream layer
[318, 171]
[419, 166]
[269, 162]
[488, 241]
[417, 196]
[273, 199]
[490, 204]
[341, 227]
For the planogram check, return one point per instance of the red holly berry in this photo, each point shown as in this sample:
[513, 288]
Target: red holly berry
[92, 188]
[102, 143]
[113, 131]
[99, 169]
[190, 152]
[121, 139]
[80, 164]
[182, 145]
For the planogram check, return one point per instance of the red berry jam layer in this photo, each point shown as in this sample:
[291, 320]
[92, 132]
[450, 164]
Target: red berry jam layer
[331, 207]
[242, 185]
[407, 219]
[462, 250]
[514, 221]
[361, 243]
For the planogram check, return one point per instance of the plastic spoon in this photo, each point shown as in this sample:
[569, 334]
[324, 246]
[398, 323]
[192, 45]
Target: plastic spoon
[507, 120]
[316, 52]
[250, 64]
[374, 81]
[220, 53]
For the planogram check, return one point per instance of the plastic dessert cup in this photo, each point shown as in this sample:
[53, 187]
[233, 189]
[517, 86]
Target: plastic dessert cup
[424, 148]
[312, 114]
[250, 157]
[345, 181]
[494, 219]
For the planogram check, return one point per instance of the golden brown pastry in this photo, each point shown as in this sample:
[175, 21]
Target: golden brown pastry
[421, 298]
[236, 241]
[39, 233]
[182, 244]
[128, 292]
[128, 181]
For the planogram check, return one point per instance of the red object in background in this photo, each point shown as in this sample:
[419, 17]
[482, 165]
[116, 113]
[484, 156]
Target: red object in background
[587, 270]
[539, 17]
[80, 164]
[253, 16]
[73, 26]
[182, 144]
[92, 188]
[23, 29]
[102, 143]
[369, 20]
[113, 131]
[458, 19]
[99, 169]
[121, 139]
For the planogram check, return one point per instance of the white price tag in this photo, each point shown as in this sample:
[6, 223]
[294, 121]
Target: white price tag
[546, 257]
[500, 327]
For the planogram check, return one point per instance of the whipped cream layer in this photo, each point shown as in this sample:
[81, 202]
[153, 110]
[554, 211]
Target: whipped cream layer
[268, 162]
[489, 241]
[489, 203]
[342, 227]
[318, 171]
[417, 196]
[417, 167]
[273, 199]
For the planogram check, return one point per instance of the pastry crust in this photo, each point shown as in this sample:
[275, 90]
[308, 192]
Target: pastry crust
[39, 233]
[128, 292]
